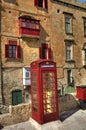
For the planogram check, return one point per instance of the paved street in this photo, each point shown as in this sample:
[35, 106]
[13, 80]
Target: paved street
[77, 121]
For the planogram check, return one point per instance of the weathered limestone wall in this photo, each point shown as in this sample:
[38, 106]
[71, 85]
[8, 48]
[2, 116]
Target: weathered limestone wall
[12, 68]
[17, 114]
[59, 8]
[12, 81]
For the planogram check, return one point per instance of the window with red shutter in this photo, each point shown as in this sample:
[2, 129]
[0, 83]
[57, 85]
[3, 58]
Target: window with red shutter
[46, 4]
[12, 42]
[40, 52]
[18, 51]
[6, 51]
[45, 51]
[49, 53]
[12, 50]
[36, 2]
[41, 3]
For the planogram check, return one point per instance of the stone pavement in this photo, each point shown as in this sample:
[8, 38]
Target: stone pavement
[76, 121]
[21, 126]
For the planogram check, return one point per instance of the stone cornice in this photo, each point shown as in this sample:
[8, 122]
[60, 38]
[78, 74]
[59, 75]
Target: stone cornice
[71, 4]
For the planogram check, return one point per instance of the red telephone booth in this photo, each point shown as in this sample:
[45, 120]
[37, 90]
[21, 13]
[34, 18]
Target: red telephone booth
[44, 91]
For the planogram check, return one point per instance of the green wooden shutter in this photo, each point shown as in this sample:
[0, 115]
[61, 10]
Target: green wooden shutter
[16, 97]
[19, 97]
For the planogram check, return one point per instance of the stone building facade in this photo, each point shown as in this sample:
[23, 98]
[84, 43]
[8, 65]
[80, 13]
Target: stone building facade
[33, 29]
[68, 20]
[24, 27]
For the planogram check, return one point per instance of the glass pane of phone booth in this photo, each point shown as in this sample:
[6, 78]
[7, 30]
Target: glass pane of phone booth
[34, 92]
[49, 92]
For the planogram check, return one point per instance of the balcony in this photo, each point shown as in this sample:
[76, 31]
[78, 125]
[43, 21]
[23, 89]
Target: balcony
[29, 28]
[24, 32]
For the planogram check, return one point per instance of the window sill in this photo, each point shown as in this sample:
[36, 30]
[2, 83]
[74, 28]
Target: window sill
[71, 34]
[42, 9]
[13, 59]
[71, 60]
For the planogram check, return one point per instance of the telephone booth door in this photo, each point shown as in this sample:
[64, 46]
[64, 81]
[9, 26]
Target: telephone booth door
[44, 91]
[50, 103]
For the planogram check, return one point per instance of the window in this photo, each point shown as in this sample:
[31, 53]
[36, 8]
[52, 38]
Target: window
[30, 24]
[68, 23]
[26, 76]
[16, 97]
[69, 51]
[84, 28]
[37, 26]
[12, 50]
[45, 51]
[29, 27]
[23, 23]
[84, 55]
[41, 3]
[69, 76]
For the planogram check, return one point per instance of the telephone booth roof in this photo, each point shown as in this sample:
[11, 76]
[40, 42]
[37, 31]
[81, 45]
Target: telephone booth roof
[38, 63]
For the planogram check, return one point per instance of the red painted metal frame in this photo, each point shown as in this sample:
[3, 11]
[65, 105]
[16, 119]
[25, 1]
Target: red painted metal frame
[81, 92]
[40, 67]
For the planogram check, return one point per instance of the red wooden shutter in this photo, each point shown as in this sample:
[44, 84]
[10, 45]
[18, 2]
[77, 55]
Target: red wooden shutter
[40, 52]
[35, 2]
[49, 53]
[18, 51]
[6, 51]
[44, 45]
[46, 4]
[12, 42]
[44, 50]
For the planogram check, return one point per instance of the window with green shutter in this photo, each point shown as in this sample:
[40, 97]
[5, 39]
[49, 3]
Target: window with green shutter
[16, 97]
